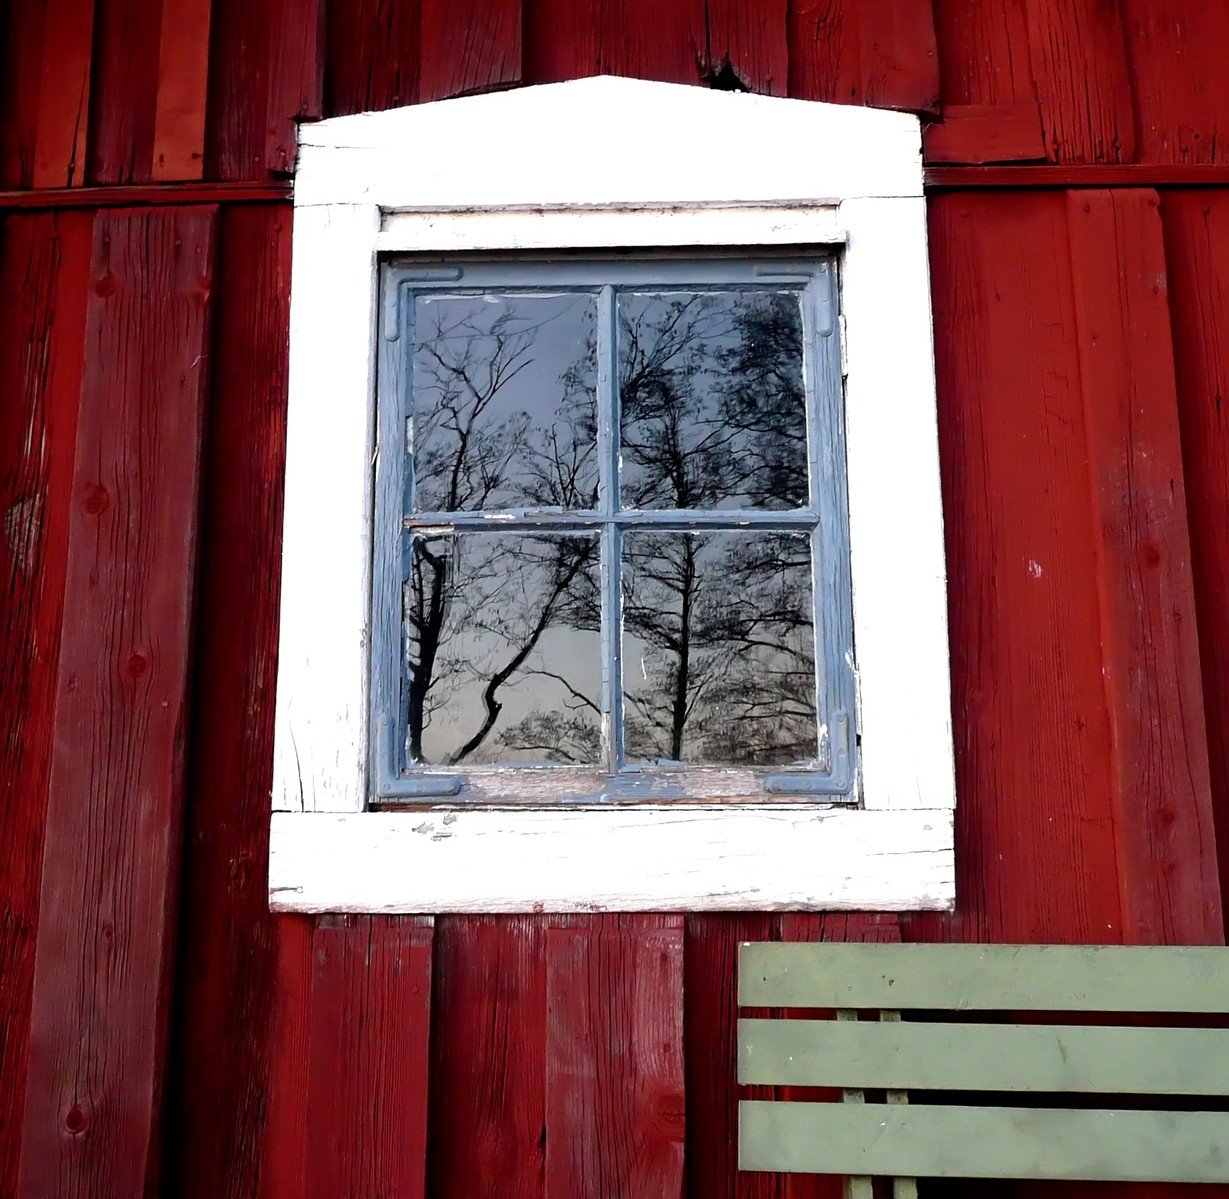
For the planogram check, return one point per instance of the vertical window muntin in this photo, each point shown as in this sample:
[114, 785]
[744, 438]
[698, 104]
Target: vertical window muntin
[832, 776]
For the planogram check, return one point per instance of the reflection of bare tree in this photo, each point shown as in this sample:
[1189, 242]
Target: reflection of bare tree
[712, 415]
[713, 406]
[728, 672]
[473, 450]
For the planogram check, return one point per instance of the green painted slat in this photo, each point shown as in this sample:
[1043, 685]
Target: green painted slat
[1147, 978]
[922, 1141]
[984, 1057]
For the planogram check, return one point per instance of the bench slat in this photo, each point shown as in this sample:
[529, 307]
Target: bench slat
[969, 1142]
[1152, 978]
[984, 1057]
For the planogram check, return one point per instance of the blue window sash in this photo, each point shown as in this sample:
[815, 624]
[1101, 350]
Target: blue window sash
[833, 778]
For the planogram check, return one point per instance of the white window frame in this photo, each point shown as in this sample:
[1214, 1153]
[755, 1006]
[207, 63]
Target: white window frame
[600, 163]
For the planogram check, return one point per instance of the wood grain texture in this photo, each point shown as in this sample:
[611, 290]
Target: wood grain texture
[367, 1064]
[21, 56]
[265, 73]
[110, 871]
[983, 48]
[1126, 174]
[1035, 823]
[296, 78]
[370, 55]
[1196, 227]
[614, 1075]
[183, 85]
[752, 40]
[864, 52]
[1070, 56]
[981, 133]
[44, 267]
[646, 39]
[1079, 61]
[488, 1059]
[1166, 841]
[469, 46]
[282, 1138]
[228, 957]
[711, 1053]
[124, 83]
[1177, 74]
[64, 94]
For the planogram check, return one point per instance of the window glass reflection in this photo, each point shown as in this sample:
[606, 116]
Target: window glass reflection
[712, 398]
[503, 402]
[718, 648]
[502, 648]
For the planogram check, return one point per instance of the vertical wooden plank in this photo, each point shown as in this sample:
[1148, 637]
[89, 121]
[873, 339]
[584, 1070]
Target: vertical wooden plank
[183, 77]
[614, 1075]
[1166, 841]
[983, 52]
[238, 89]
[265, 73]
[864, 52]
[228, 957]
[370, 55]
[283, 1131]
[751, 40]
[123, 91]
[469, 46]
[296, 78]
[1035, 834]
[1079, 60]
[64, 94]
[370, 1019]
[488, 1063]
[44, 265]
[112, 848]
[710, 971]
[645, 39]
[1180, 84]
[900, 61]
[21, 53]
[1196, 226]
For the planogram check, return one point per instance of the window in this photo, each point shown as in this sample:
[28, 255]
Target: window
[617, 530]
[512, 675]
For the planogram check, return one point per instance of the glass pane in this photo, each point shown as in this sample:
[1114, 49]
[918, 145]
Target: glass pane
[713, 402]
[503, 402]
[502, 648]
[718, 648]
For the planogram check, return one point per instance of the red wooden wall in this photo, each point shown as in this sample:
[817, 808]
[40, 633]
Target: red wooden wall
[160, 1033]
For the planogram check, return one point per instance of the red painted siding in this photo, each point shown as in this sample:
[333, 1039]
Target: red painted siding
[1082, 357]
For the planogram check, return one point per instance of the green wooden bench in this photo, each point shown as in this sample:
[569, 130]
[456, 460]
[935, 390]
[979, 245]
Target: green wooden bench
[948, 1052]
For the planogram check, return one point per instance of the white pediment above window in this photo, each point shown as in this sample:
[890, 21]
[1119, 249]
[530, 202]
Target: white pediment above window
[609, 141]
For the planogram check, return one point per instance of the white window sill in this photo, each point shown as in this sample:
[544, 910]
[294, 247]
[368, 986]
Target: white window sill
[622, 859]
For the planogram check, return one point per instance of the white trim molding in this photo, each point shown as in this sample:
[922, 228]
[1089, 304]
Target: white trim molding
[602, 163]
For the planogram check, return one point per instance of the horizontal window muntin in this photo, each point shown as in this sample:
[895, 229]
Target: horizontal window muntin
[473, 303]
